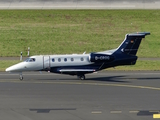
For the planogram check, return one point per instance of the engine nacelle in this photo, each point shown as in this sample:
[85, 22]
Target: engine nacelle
[95, 57]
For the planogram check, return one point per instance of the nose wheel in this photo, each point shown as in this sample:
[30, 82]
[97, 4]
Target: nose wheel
[21, 77]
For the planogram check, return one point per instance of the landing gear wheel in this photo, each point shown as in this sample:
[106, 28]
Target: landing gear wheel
[81, 77]
[21, 77]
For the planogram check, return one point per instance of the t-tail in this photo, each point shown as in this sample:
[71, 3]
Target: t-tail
[131, 43]
[125, 54]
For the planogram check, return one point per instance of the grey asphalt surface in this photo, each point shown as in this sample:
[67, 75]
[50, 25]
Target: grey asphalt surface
[79, 4]
[106, 95]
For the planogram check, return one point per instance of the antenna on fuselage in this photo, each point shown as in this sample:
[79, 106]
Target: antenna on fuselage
[84, 53]
[21, 56]
[28, 51]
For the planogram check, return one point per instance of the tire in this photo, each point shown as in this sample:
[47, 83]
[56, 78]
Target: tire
[81, 77]
[21, 78]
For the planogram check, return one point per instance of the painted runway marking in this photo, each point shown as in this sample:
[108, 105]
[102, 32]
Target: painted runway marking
[116, 112]
[96, 112]
[154, 111]
[133, 111]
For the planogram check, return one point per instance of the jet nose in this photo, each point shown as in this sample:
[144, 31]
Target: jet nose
[7, 70]
[15, 68]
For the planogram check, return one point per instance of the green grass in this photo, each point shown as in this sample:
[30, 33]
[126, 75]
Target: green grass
[75, 31]
[140, 65]
[4, 64]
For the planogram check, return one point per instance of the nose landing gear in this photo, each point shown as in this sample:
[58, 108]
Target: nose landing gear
[20, 76]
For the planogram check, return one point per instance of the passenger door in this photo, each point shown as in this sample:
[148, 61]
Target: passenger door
[46, 63]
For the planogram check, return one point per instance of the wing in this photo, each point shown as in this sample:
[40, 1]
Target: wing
[77, 70]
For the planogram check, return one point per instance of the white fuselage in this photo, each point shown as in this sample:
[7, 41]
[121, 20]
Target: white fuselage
[35, 63]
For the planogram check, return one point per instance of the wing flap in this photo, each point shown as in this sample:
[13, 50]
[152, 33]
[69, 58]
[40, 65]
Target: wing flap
[77, 70]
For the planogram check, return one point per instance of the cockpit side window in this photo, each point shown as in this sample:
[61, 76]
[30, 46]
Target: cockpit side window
[33, 59]
[30, 60]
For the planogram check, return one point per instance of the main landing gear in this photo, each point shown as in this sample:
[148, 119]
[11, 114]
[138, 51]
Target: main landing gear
[20, 76]
[81, 77]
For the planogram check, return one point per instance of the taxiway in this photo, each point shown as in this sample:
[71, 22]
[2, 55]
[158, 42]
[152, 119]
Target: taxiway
[105, 95]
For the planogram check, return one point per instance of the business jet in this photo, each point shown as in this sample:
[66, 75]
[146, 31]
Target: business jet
[81, 64]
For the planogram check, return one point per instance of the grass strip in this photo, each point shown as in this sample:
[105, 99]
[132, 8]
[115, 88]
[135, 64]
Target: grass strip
[140, 66]
[75, 31]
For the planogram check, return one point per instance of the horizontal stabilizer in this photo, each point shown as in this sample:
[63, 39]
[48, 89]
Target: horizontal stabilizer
[139, 34]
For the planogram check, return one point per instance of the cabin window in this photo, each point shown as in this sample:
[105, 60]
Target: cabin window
[82, 59]
[30, 60]
[53, 60]
[59, 59]
[65, 59]
[72, 59]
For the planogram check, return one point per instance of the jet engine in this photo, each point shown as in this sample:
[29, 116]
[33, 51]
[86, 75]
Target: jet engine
[96, 57]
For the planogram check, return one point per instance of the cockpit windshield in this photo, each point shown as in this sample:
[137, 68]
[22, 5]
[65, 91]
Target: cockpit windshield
[30, 60]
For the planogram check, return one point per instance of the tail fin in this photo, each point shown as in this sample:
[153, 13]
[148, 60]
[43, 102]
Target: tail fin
[131, 43]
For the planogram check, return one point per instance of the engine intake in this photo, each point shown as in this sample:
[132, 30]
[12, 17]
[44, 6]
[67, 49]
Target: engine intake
[95, 57]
